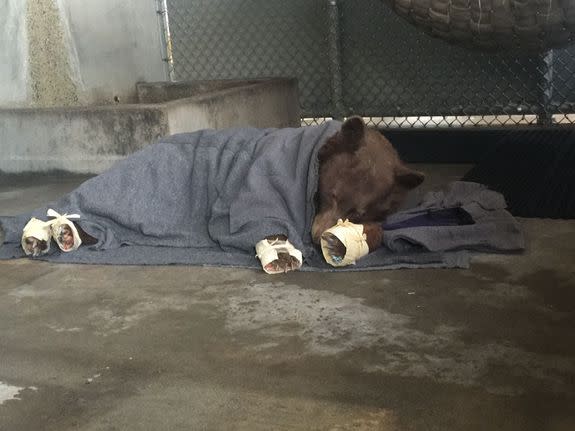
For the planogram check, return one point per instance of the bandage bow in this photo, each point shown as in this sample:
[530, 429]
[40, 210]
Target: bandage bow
[53, 213]
[56, 224]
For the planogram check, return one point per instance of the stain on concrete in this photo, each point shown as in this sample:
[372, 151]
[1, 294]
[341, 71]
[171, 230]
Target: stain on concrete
[49, 67]
[372, 421]
[115, 318]
[54, 407]
[328, 323]
[8, 392]
[334, 324]
[492, 285]
[556, 290]
[489, 272]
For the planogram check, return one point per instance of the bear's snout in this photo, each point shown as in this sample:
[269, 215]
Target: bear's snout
[322, 222]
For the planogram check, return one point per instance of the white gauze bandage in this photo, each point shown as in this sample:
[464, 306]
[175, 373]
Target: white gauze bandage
[58, 223]
[268, 252]
[37, 229]
[352, 237]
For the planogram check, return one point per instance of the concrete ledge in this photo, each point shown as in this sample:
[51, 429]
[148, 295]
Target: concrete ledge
[159, 92]
[91, 139]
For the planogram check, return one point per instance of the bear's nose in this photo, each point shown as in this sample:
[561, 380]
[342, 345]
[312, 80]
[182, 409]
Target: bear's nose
[321, 223]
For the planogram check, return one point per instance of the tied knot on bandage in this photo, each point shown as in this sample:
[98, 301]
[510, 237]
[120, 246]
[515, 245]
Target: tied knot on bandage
[57, 216]
[352, 238]
[57, 227]
[267, 252]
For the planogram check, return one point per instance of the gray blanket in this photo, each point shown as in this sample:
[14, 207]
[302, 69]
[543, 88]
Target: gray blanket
[207, 198]
[494, 229]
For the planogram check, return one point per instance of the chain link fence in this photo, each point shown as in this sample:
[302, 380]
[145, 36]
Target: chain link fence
[356, 57]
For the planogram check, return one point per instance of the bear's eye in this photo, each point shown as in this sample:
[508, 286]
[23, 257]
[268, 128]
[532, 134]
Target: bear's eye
[332, 195]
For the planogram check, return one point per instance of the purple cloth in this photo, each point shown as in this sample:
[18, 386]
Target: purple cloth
[433, 217]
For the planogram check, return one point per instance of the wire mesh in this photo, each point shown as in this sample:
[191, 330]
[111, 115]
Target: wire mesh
[356, 57]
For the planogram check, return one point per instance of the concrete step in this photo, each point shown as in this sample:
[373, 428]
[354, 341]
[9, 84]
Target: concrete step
[90, 139]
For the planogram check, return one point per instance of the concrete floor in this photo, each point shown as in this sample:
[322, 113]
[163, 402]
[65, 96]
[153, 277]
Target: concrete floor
[187, 348]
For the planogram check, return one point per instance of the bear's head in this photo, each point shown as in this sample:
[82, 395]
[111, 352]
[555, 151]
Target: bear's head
[361, 178]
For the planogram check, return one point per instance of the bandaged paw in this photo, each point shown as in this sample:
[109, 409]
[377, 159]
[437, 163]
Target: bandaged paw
[269, 252]
[351, 237]
[64, 231]
[36, 237]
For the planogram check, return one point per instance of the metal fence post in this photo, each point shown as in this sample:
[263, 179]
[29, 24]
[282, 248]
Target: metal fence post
[335, 60]
[545, 117]
[166, 38]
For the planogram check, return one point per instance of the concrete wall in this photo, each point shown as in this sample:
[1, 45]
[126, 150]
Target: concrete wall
[91, 139]
[87, 140]
[13, 53]
[269, 103]
[116, 43]
[77, 52]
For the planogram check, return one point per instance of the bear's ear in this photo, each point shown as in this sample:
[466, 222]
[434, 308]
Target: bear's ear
[347, 140]
[408, 178]
[352, 134]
